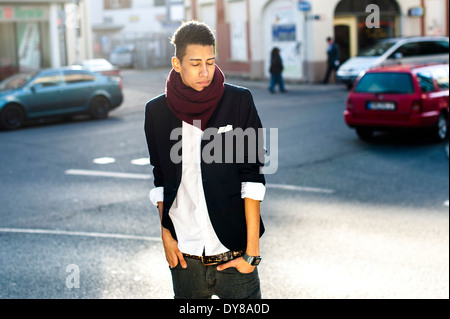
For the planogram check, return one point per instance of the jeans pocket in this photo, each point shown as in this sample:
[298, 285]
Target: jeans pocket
[234, 270]
[177, 267]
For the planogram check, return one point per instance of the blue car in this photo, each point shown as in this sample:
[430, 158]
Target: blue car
[57, 92]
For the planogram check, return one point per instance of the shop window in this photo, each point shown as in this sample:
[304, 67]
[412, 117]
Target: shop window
[116, 4]
[8, 53]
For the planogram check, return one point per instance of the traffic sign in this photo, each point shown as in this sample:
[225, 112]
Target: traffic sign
[304, 6]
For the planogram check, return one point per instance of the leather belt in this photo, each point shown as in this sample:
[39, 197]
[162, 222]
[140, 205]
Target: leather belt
[216, 259]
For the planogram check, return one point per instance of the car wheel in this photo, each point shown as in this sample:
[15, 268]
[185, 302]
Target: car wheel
[441, 130]
[99, 108]
[12, 117]
[365, 134]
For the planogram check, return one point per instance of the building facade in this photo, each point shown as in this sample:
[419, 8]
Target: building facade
[247, 30]
[41, 34]
[141, 25]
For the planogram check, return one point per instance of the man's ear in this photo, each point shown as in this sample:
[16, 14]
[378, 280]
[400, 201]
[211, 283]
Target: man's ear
[176, 64]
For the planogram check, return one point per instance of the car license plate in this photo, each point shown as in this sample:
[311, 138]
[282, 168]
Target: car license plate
[382, 106]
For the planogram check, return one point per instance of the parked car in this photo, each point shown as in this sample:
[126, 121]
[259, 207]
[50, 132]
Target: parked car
[102, 66]
[123, 56]
[403, 96]
[395, 51]
[57, 92]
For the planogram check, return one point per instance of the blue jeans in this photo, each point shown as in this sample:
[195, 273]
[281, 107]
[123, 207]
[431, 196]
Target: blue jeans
[276, 78]
[202, 282]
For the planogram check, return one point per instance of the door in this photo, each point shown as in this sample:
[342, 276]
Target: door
[78, 88]
[346, 36]
[45, 95]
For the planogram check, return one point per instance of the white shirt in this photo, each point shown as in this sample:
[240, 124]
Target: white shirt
[189, 212]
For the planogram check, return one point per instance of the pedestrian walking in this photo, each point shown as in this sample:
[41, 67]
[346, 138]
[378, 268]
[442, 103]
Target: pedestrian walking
[333, 54]
[209, 211]
[276, 70]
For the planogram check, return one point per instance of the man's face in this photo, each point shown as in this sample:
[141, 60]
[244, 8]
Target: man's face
[198, 66]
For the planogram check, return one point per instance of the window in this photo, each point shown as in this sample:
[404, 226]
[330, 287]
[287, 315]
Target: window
[408, 50]
[441, 77]
[377, 50]
[116, 4]
[48, 80]
[434, 47]
[379, 83]
[72, 77]
[160, 3]
[16, 81]
[426, 81]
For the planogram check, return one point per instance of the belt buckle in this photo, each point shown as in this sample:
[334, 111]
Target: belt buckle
[202, 258]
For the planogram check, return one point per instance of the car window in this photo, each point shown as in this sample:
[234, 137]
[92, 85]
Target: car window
[72, 77]
[426, 81]
[377, 50]
[120, 50]
[15, 82]
[48, 80]
[433, 47]
[441, 77]
[408, 50]
[396, 83]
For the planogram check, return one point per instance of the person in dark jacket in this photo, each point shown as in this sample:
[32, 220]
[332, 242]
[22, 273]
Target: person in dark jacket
[209, 205]
[276, 70]
[333, 56]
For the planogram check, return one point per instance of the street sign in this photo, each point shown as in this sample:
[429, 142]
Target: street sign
[416, 12]
[304, 6]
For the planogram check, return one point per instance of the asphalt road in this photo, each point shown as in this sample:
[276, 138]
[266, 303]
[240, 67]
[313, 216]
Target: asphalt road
[344, 219]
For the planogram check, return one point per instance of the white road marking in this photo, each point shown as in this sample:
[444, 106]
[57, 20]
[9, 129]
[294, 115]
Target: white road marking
[104, 160]
[77, 233]
[301, 188]
[141, 161]
[82, 172]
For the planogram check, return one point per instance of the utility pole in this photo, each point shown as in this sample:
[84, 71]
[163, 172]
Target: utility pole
[76, 27]
[422, 19]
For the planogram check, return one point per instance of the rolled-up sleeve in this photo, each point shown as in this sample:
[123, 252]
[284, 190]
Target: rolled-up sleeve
[255, 191]
[156, 195]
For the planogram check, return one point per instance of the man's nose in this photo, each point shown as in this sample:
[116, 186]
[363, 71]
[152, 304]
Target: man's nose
[204, 71]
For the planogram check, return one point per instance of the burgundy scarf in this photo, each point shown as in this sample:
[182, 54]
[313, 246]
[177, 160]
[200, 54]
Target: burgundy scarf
[188, 104]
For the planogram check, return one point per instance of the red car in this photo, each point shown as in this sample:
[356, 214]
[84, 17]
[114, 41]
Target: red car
[402, 96]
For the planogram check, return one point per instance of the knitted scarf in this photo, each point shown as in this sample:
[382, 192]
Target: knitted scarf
[188, 104]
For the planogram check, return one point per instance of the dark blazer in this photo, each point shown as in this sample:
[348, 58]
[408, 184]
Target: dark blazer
[221, 182]
[333, 54]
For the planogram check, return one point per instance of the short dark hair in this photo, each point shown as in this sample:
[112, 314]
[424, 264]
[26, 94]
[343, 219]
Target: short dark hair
[192, 32]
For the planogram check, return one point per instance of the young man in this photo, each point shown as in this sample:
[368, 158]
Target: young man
[209, 209]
